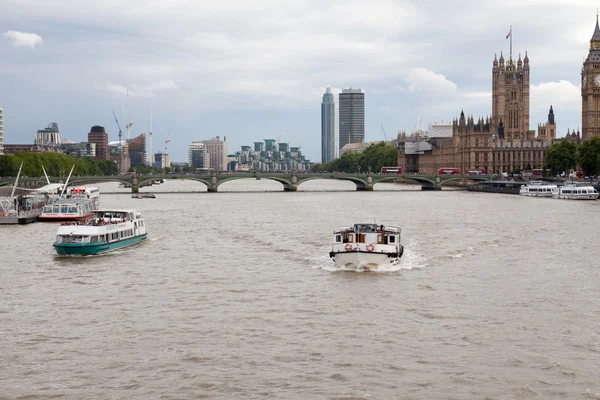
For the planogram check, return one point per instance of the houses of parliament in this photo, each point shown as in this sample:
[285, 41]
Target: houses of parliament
[503, 142]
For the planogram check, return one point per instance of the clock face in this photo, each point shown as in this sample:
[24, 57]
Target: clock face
[597, 80]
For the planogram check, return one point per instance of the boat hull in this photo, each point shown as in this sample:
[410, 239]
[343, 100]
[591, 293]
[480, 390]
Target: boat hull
[89, 249]
[365, 259]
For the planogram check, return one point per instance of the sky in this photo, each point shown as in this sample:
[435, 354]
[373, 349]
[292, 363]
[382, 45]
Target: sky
[254, 70]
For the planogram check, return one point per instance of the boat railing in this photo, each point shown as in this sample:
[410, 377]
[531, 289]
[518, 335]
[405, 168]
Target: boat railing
[90, 222]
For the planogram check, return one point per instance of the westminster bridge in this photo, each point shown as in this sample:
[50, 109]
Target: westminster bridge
[290, 180]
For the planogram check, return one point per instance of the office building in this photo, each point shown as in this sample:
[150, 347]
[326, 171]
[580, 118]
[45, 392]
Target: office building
[217, 152]
[327, 127]
[137, 150]
[78, 150]
[352, 117]
[198, 156]
[48, 138]
[1, 130]
[99, 137]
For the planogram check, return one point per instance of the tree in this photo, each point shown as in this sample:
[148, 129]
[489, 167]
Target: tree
[589, 156]
[374, 157]
[561, 157]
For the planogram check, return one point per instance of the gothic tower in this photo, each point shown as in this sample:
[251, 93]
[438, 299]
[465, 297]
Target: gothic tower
[590, 88]
[510, 96]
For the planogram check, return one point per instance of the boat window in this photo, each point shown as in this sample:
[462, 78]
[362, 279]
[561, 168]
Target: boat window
[351, 238]
[64, 208]
[392, 239]
[72, 209]
[56, 209]
[102, 238]
[48, 209]
[338, 238]
[379, 238]
[94, 239]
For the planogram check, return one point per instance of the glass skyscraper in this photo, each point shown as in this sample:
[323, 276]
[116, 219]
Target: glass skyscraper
[327, 127]
[352, 117]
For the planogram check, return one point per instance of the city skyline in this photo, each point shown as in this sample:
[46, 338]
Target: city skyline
[76, 66]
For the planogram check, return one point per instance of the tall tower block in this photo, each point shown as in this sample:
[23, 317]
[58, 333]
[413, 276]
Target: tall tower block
[510, 96]
[590, 88]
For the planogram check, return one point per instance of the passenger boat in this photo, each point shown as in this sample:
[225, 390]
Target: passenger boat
[366, 246]
[504, 187]
[72, 209]
[85, 192]
[537, 189]
[575, 192]
[108, 230]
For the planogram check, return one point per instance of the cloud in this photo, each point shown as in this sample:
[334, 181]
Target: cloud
[23, 39]
[135, 90]
[424, 80]
[563, 95]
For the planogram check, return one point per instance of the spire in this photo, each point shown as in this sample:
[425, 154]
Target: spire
[501, 59]
[551, 116]
[495, 61]
[596, 36]
[526, 59]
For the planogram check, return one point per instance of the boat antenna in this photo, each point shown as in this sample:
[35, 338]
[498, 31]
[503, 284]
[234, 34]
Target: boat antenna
[67, 182]
[12, 194]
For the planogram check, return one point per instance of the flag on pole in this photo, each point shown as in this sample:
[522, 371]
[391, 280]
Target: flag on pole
[509, 32]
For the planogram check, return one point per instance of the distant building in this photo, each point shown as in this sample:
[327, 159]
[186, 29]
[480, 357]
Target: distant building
[573, 137]
[78, 150]
[161, 160]
[217, 151]
[1, 130]
[352, 117]
[198, 156]
[327, 127]
[13, 148]
[137, 150]
[353, 148]
[119, 153]
[99, 137]
[48, 138]
[269, 156]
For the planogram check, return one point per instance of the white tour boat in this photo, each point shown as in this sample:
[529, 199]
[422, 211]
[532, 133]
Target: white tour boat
[72, 209]
[366, 246]
[85, 192]
[537, 189]
[575, 192]
[108, 230]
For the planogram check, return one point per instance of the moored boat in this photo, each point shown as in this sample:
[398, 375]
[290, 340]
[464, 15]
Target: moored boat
[575, 192]
[108, 230]
[73, 209]
[537, 189]
[366, 246]
[505, 187]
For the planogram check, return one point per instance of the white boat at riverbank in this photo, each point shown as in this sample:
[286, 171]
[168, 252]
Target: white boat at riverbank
[537, 189]
[575, 192]
[366, 246]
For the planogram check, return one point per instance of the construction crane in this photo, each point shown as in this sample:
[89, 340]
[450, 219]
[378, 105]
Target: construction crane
[129, 123]
[384, 135]
[150, 141]
[119, 126]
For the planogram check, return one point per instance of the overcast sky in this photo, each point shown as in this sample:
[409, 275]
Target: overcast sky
[252, 70]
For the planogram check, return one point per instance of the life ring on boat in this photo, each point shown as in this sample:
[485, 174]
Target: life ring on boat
[348, 247]
[370, 247]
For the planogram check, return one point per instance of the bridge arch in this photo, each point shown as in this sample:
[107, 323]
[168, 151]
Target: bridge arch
[465, 177]
[360, 183]
[285, 182]
[187, 177]
[91, 180]
[417, 179]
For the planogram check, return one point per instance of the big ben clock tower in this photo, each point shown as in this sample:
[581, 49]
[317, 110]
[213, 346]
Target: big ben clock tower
[590, 88]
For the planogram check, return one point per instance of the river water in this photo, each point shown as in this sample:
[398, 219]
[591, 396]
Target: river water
[233, 296]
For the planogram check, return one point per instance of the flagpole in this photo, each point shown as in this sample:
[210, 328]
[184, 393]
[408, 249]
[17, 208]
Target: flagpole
[511, 41]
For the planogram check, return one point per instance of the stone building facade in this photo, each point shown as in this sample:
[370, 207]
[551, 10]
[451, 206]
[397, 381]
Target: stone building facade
[590, 88]
[496, 144]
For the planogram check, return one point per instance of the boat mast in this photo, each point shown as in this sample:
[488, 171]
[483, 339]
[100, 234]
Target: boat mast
[46, 175]
[67, 182]
[12, 194]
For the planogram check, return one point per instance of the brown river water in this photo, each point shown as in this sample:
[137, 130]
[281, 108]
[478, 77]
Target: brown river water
[234, 297]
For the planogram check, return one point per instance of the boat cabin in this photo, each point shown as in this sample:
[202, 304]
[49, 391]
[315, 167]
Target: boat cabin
[368, 233]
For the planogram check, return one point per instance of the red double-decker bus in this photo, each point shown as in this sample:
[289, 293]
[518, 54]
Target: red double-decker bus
[391, 170]
[449, 171]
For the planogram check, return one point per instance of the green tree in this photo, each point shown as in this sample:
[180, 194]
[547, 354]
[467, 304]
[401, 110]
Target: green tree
[561, 157]
[589, 156]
